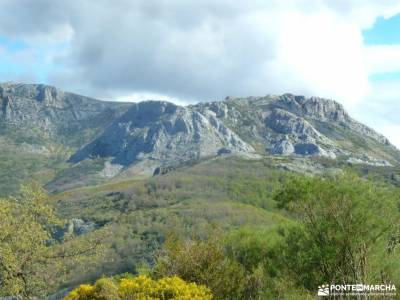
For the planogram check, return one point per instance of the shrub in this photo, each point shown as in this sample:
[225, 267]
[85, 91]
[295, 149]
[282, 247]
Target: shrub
[208, 262]
[140, 287]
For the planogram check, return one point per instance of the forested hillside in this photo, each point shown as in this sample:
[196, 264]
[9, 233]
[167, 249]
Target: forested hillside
[243, 229]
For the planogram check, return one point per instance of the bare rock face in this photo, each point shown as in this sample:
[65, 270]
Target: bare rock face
[45, 112]
[79, 227]
[296, 125]
[328, 111]
[297, 135]
[315, 108]
[284, 147]
[165, 133]
[284, 122]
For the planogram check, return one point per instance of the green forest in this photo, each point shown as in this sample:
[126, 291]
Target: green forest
[226, 229]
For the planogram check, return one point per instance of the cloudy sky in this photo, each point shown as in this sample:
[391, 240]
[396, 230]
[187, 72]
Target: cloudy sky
[188, 50]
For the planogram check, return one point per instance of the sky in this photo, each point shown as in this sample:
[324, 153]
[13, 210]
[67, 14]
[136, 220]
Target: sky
[191, 51]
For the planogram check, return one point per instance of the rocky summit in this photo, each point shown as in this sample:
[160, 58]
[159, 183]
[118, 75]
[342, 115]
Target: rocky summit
[296, 125]
[46, 113]
[145, 136]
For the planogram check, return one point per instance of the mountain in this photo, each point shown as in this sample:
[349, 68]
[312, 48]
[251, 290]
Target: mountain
[83, 140]
[130, 174]
[155, 133]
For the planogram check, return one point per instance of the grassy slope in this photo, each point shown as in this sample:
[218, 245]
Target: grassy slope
[20, 165]
[26, 157]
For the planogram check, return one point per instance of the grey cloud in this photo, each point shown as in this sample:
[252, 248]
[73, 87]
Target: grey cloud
[194, 49]
[180, 50]
[187, 49]
[24, 18]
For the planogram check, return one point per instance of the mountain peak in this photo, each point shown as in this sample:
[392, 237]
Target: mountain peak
[42, 112]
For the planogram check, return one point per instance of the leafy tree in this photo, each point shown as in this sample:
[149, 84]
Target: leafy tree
[141, 287]
[31, 260]
[258, 251]
[206, 261]
[344, 226]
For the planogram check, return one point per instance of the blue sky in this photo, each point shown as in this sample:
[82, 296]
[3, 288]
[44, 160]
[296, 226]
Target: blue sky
[205, 50]
[9, 67]
[384, 32]
[22, 61]
[383, 107]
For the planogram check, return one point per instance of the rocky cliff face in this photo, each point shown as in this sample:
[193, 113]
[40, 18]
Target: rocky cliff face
[154, 134]
[296, 125]
[45, 112]
[164, 133]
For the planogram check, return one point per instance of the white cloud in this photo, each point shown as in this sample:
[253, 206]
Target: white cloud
[382, 58]
[391, 131]
[324, 53]
[380, 109]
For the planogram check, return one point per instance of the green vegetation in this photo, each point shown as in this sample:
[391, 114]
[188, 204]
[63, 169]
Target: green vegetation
[347, 231]
[245, 229]
[206, 262]
[19, 164]
[32, 261]
[344, 229]
[83, 174]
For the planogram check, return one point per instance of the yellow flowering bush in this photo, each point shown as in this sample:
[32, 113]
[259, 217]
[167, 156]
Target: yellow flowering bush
[83, 292]
[141, 288]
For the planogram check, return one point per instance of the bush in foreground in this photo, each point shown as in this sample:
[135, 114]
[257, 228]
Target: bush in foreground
[207, 261]
[141, 287]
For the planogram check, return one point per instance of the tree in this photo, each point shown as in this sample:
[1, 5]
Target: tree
[206, 261]
[31, 259]
[343, 231]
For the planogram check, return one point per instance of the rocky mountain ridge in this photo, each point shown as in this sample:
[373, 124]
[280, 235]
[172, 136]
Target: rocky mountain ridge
[152, 134]
[45, 112]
